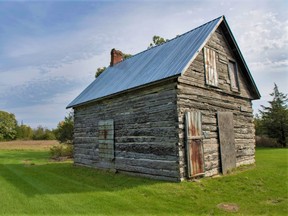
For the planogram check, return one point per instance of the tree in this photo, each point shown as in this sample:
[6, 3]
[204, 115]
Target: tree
[275, 117]
[99, 71]
[102, 69]
[64, 130]
[42, 133]
[157, 40]
[24, 132]
[8, 125]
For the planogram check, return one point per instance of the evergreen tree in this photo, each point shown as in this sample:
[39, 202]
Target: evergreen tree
[275, 117]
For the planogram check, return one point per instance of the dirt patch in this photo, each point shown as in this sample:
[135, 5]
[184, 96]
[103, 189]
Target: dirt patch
[28, 162]
[28, 144]
[274, 201]
[59, 159]
[228, 207]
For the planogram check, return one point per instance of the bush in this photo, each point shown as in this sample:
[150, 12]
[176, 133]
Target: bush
[264, 141]
[61, 151]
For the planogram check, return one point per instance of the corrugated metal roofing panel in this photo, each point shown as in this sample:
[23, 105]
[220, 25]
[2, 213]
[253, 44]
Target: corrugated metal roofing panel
[157, 63]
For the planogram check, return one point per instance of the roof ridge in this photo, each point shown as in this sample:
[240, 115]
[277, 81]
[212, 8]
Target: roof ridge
[173, 38]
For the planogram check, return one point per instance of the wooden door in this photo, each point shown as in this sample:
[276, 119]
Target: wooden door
[194, 144]
[227, 141]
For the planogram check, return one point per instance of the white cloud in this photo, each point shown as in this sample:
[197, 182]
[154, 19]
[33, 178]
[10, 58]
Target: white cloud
[60, 64]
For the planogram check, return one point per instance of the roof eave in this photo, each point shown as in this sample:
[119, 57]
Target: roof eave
[257, 94]
[122, 92]
[203, 44]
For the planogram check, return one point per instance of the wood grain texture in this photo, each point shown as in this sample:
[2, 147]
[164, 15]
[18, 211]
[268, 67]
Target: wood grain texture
[227, 141]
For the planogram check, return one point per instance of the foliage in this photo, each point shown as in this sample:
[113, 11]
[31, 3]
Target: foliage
[24, 132]
[258, 123]
[264, 141]
[99, 71]
[126, 56]
[157, 40]
[61, 150]
[42, 133]
[64, 130]
[46, 187]
[8, 125]
[274, 118]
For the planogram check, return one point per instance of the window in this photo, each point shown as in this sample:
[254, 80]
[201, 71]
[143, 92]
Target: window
[106, 140]
[232, 67]
[210, 67]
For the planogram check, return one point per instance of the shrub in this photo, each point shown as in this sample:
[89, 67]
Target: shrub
[61, 151]
[264, 141]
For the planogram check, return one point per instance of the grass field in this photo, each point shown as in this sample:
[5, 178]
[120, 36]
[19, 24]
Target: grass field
[32, 184]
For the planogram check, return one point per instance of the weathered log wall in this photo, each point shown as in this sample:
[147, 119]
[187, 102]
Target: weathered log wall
[149, 122]
[145, 136]
[194, 94]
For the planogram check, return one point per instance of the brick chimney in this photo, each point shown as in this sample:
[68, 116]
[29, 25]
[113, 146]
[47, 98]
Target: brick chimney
[116, 57]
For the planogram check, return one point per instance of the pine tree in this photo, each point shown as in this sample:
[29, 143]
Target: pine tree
[275, 117]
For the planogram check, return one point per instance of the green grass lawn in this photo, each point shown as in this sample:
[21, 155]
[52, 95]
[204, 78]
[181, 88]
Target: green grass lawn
[31, 184]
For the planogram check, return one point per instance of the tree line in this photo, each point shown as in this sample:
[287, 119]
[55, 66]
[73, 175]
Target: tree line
[11, 130]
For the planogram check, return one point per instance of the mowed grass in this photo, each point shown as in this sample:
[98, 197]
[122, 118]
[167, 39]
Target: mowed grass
[32, 184]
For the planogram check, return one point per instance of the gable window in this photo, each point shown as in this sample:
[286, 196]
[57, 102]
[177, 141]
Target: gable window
[233, 74]
[211, 74]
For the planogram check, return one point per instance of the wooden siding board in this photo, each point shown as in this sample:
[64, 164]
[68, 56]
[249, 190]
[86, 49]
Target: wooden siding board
[144, 129]
[227, 141]
[193, 94]
[194, 144]
[210, 67]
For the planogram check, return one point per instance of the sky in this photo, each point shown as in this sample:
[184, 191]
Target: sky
[50, 50]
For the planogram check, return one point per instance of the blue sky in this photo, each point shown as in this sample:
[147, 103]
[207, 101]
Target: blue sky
[50, 50]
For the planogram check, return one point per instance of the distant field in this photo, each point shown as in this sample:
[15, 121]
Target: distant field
[29, 144]
[32, 184]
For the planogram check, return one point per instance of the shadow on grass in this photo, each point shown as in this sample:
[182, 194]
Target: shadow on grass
[36, 177]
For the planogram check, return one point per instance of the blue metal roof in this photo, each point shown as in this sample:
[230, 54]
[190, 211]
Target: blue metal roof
[166, 60]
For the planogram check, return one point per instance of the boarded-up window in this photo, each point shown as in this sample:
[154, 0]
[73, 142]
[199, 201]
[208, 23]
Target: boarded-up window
[106, 139]
[211, 74]
[233, 75]
[194, 144]
[227, 141]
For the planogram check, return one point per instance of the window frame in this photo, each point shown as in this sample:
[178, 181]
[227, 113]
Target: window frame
[235, 75]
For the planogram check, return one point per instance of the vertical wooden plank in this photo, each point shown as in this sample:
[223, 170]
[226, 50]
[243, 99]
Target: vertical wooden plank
[227, 141]
[197, 157]
[194, 144]
[210, 67]
[194, 126]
